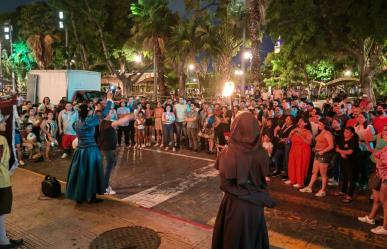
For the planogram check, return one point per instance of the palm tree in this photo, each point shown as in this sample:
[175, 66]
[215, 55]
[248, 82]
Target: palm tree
[41, 46]
[153, 21]
[257, 14]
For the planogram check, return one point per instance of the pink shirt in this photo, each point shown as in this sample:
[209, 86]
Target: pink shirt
[381, 164]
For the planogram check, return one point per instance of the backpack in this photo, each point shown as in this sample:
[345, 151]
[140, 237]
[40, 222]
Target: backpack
[51, 187]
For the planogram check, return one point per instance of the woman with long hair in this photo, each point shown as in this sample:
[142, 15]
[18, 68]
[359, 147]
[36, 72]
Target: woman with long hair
[366, 134]
[243, 166]
[376, 182]
[300, 152]
[323, 155]
[49, 128]
[168, 120]
[347, 148]
[85, 176]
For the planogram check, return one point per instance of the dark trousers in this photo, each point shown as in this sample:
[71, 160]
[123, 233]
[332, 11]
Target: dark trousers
[286, 157]
[131, 131]
[350, 176]
[278, 159]
[110, 160]
[363, 160]
[168, 134]
[125, 130]
[180, 130]
[334, 170]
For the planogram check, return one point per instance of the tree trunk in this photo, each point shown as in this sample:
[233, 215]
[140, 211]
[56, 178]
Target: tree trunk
[182, 78]
[101, 35]
[255, 30]
[366, 77]
[81, 45]
[160, 69]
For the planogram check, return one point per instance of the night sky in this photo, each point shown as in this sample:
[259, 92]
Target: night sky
[10, 5]
[175, 5]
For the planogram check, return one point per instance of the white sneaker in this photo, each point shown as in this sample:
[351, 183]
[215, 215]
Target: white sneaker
[333, 183]
[161, 145]
[297, 186]
[166, 148]
[157, 144]
[21, 162]
[320, 194]
[173, 149]
[306, 190]
[64, 155]
[110, 191]
[143, 146]
[379, 230]
[288, 182]
[367, 220]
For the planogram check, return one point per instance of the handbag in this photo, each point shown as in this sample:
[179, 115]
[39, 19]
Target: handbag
[51, 187]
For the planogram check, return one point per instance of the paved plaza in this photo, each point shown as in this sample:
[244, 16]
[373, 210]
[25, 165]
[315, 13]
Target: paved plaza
[177, 194]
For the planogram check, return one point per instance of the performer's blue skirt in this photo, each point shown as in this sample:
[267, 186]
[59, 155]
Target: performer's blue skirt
[85, 176]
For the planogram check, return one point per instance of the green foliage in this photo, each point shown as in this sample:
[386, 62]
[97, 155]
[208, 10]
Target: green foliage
[21, 61]
[322, 70]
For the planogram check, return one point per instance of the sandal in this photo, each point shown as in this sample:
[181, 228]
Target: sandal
[347, 199]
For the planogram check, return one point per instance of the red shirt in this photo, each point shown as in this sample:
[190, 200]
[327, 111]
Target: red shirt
[351, 123]
[379, 122]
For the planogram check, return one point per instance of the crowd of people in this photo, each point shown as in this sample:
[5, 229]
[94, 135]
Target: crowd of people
[343, 141]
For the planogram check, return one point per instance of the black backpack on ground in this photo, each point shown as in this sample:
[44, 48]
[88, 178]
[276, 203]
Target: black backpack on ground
[51, 187]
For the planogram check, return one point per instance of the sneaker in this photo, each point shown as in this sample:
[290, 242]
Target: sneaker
[366, 219]
[379, 230]
[320, 194]
[157, 144]
[110, 191]
[161, 145]
[64, 155]
[166, 148]
[143, 146]
[288, 182]
[333, 183]
[296, 186]
[173, 149]
[21, 162]
[306, 190]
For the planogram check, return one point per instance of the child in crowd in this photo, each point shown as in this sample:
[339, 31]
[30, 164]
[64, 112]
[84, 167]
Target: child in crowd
[50, 130]
[30, 144]
[140, 130]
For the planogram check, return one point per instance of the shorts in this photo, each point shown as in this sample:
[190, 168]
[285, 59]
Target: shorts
[17, 138]
[324, 158]
[5, 200]
[148, 122]
[67, 141]
[158, 124]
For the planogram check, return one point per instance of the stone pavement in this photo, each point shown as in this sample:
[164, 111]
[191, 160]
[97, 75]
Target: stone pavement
[184, 186]
[60, 223]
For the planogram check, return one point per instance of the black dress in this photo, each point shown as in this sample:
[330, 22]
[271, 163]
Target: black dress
[240, 223]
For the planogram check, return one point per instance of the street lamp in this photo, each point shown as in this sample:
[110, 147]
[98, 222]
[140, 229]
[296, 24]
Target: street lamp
[247, 55]
[191, 67]
[348, 73]
[62, 26]
[228, 89]
[8, 36]
[137, 58]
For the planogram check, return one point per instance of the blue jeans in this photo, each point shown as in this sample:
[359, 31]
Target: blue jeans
[109, 162]
[168, 134]
[286, 157]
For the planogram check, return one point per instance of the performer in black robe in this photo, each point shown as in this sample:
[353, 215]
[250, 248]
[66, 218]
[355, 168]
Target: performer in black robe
[243, 166]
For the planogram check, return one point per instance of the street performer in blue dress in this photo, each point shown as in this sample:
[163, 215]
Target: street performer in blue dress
[243, 166]
[85, 177]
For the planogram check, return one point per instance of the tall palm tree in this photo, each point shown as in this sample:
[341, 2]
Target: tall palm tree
[153, 21]
[257, 14]
[41, 46]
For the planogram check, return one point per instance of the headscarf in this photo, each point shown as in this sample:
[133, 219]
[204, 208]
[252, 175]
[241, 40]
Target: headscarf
[236, 160]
